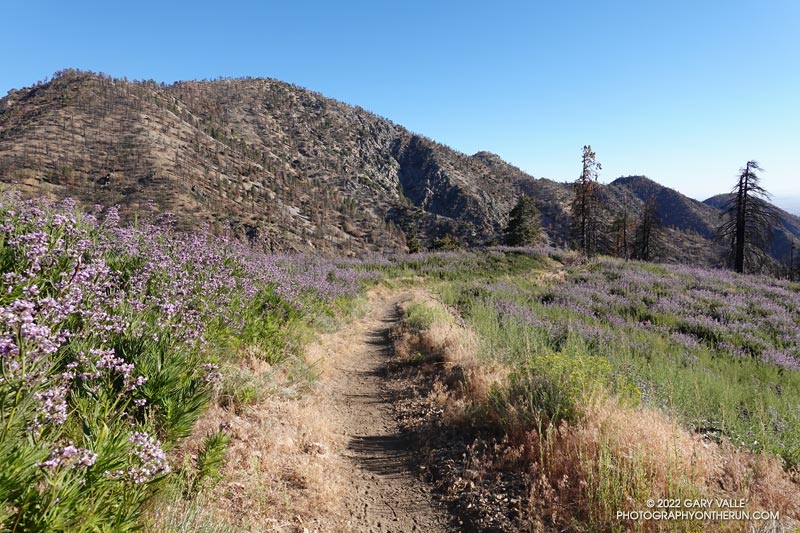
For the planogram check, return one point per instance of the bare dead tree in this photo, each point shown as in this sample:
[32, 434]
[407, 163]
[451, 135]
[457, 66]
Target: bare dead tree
[585, 207]
[748, 221]
[647, 237]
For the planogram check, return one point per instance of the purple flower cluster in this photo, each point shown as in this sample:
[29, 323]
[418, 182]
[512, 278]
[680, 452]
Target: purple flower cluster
[150, 459]
[52, 406]
[297, 278]
[69, 456]
[102, 326]
[212, 373]
[511, 310]
[744, 316]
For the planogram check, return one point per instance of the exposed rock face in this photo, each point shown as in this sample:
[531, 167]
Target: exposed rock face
[273, 161]
[286, 167]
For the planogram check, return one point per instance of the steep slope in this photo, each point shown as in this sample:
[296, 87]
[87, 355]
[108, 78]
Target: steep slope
[277, 163]
[674, 209]
[290, 169]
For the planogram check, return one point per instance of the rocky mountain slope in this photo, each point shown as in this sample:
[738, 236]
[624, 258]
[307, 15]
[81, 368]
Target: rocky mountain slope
[277, 163]
[287, 167]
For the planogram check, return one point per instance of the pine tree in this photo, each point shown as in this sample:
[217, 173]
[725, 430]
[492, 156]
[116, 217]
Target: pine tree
[585, 207]
[749, 221]
[524, 227]
[446, 242]
[412, 241]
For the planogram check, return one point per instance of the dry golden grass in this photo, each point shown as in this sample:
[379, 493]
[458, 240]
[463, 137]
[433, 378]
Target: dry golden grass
[280, 473]
[617, 456]
[614, 458]
[285, 465]
[449, 341]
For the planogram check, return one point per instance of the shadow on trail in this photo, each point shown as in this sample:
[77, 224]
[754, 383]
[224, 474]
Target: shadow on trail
[425, 445]
[386, 455]
[382, 454]
[381, 448]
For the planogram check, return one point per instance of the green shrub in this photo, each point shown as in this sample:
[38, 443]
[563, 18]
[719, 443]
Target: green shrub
[421, 317]
[548, 388]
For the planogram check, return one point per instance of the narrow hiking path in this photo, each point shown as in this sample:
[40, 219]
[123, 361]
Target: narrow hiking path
[382, 494]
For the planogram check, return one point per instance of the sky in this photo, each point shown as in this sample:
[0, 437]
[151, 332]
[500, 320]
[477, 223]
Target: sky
[684, 92]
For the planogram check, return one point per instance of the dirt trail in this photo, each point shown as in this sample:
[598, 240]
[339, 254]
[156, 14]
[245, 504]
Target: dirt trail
[382, 494]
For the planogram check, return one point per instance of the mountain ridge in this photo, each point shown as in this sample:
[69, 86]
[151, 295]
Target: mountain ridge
[288, 168]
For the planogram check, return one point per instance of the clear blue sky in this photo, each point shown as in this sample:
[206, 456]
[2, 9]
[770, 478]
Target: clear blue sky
[684, 92]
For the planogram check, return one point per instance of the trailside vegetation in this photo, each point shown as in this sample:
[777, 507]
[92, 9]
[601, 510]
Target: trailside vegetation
[610, 382]
[111, 342]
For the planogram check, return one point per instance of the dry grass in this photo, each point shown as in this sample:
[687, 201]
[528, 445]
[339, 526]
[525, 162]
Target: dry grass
[450, 342]
[280, 474]
[281, 471]
[616, 457]
[613, 459]
[285, 469]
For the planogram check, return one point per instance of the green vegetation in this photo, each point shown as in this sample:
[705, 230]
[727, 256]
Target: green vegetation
[524, 227]
[593, 353]
[114, 340]
[421, 317]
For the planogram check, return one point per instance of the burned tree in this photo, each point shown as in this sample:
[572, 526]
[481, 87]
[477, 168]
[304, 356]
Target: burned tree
[748, 221]
[622, 231]
[585, 207]
[647, 232]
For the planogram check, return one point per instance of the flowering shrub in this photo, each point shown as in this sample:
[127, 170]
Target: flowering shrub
[744, 316]
[719, 351]
[110, 340]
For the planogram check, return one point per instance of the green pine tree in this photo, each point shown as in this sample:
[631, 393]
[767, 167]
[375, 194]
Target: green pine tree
[412, 241]
[524, 227]
[446, 242]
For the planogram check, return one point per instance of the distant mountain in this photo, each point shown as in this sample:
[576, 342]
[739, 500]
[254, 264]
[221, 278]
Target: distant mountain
[288, 168]
[277, 163]
[790, 204]
[674, 209]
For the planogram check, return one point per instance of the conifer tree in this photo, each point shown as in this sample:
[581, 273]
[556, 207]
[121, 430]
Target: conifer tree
[413, 243]
[586, 209]
[749, 220]
[524, 227]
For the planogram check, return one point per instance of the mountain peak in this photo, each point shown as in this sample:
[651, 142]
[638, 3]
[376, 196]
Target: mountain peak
[489, 158]
[286, 167]
[276, 163]
[636, 180]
